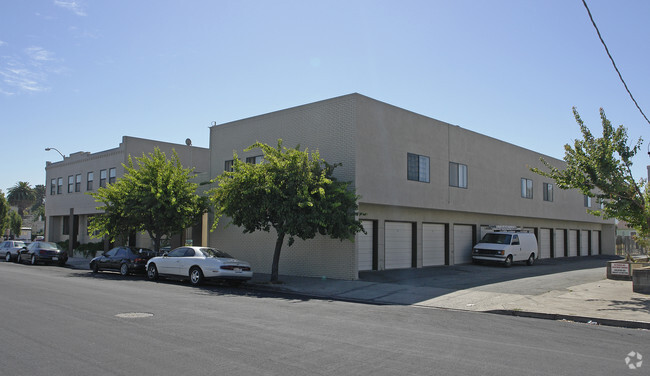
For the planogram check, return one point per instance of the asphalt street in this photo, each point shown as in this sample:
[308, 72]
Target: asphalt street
[60, 321]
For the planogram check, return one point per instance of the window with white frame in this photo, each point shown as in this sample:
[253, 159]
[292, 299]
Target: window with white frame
[417, 167]
[102, 178]
[457, 175]
[89, 181]
[526, 188]
[77, 183]
[587, 201]
[112, 175]
[548, 192]
[59, 186]
[70, 183]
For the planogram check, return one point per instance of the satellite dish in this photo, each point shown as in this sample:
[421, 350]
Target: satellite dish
[188, 142]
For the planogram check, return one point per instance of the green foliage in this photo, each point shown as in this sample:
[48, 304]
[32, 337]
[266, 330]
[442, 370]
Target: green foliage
[4, 213]
[156, 197]
[600, 167]
[21, 195]
[39, 198]
[15, 223]
[292, 192]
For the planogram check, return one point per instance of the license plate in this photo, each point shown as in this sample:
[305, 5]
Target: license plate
[55, 259]
[237, 270]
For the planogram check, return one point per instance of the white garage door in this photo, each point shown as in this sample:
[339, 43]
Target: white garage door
[544, 243]
[573, 243]
[463, 243]
[399, 242]
[584, 243]
[364, 247]
[433, 244]
[595, 242]
[559, 243]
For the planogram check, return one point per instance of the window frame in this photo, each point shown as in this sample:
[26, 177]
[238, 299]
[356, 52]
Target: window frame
[527, 188]
[459, 170]
[256, 159]
[70, 183]
[102, 178]
[229, 165]
[587, 201]
[59, 186]
[52, 187]
[90, 178]
[112, 175]
[415, 165]
[547, 190]
[77, 183]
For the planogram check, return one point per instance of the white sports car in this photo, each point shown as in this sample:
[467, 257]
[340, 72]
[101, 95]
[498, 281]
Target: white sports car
[198, 264]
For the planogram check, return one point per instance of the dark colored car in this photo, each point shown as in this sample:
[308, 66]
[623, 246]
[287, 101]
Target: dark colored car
[126, 260]
[42, 252]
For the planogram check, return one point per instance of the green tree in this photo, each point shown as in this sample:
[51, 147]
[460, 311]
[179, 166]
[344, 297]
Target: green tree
[601, 167]
[22, 196]
[291, 192]
[38, 207]
[15, 223]
[156, 197]
[4, 213]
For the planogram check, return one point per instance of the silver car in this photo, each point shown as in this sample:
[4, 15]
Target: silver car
[9, 249]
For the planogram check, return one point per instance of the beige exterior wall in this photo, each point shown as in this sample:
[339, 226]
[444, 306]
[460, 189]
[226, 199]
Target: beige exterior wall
[58, 206]
[372, 140]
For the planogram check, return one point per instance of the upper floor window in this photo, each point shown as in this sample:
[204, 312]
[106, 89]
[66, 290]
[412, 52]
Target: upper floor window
[102, 178]
[70, 183]
[89, 181]
[111, 175]
[417, 167]
[526, 188]
[53, 187]
[77, 183]
[587, 201]
[254, 160]
[59, 186]
[228, 165]
[548, 192]
[457, 175]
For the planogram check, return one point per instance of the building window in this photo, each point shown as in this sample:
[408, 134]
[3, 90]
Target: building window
[59, 186]
[601, 203]
[111, 175]
[254, 160]
[102, 178]
[77, 183]
[587, 201]
[89, 181]
[228, 166]
[548, 192]
[526, 188]
[53, 187]
[70, 183]
[457, 175]
[417, 167]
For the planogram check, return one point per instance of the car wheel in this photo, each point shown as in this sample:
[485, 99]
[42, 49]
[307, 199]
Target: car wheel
[8, 257]
[508, 262]
[33, 260]
[94, 267]
[19, 259]
[531, 259]
[124, 269]
[196, 276]
[152, 272]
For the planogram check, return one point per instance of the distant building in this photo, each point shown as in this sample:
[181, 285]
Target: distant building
[69, 207]
[429, 190]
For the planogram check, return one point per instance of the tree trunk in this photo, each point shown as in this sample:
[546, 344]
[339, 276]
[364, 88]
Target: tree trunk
[276, 257]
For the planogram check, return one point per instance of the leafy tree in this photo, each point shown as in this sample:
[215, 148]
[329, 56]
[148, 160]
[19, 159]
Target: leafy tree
[39, 200]
[292, 192]
[601, 168]
[4, 213]
[15, 223]
[156, 197]
[21, 195]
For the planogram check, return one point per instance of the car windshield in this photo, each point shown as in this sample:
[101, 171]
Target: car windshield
[211, 252]
[19, 244]
[496, 238]
[144, 252]
[44, 245]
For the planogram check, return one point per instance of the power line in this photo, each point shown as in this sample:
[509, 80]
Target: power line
[613, 63]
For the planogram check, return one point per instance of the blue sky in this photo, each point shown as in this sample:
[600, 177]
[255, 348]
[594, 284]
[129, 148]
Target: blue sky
[78, 75]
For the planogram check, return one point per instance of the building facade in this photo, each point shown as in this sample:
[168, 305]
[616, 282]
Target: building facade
[69, 206]
[429, 190]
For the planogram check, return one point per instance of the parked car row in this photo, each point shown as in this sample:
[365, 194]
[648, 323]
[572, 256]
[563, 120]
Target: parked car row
[34, 253]
[196, 264]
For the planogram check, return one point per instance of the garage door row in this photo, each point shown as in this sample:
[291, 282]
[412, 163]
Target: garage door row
[400, 244]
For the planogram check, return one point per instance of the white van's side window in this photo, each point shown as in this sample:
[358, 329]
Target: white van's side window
[515, 240]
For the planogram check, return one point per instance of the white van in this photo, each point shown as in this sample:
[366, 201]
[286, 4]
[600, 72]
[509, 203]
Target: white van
[506, 247]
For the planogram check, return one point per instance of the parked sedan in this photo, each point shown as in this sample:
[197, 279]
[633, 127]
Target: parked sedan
[126, 260]
[198, 264]
[9, 249]
[44, 252]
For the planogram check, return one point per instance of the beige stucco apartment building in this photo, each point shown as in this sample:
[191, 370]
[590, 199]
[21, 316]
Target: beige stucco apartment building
[429, 190]
[69, 181]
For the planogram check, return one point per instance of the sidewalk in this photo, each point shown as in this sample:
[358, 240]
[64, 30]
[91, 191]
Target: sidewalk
[573, 289]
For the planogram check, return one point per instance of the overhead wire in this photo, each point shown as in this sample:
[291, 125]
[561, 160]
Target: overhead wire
[612, 59]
